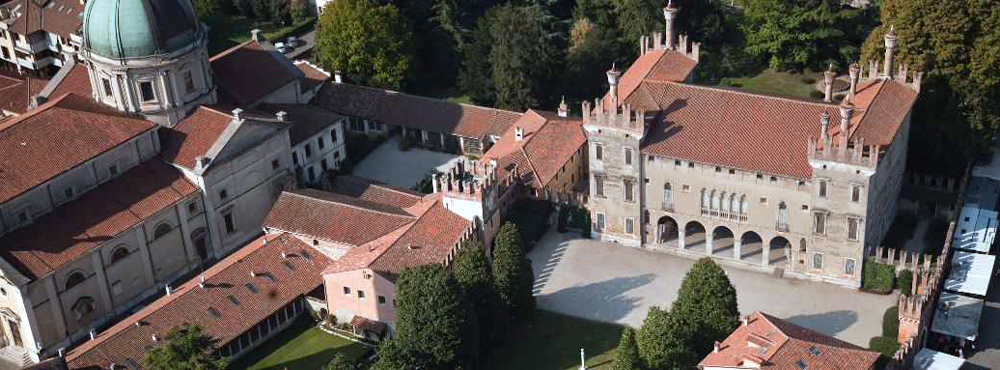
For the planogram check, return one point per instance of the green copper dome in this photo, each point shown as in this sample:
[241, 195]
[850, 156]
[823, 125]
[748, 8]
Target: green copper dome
[121, 29]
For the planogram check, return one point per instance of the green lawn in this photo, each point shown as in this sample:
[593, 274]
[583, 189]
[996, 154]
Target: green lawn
[774, 82]
[553, 341]
[227, 30]
[301, 346]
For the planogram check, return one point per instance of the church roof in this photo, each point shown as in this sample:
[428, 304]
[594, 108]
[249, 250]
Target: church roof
[249, 72]
[307, 120]
[58, 136]
[100, 214]
[334, 217]
[207, 132]
[16, 91]
[285, 269]
[122, 29]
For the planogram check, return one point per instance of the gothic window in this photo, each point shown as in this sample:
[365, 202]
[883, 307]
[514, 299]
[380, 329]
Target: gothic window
[83, 307]
[668, 201]
[705, 198]
[856, 193]
[188, 82]
[333, 136]
[853, 226]
[724, 205]
[733, 205]
[820, 222]
[715, 200]
[822, 188]
[817, 261]
[849, 266]
[320, 143]
[744, 205]
[629, 185]
[161, 230]
[74, 279]
[119, 254]
[146, 91]
[782, 224]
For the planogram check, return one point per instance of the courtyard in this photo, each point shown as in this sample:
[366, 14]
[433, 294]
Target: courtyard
[617, 284]
[392, 166]
[301, 346]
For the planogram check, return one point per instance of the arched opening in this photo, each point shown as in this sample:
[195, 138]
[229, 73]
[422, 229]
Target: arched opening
[83, 307]
[201, 243]
[667, 232]
[119, 254]
[780, 249]
[75, 279]
[694, 236]
[751, 246]
[161, 230]
[722, 241]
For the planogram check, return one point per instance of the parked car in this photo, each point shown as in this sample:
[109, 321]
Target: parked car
[281, 47]
[293, 42]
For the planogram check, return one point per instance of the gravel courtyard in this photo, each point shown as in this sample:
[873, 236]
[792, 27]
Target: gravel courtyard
[613, 283]
[392, 166]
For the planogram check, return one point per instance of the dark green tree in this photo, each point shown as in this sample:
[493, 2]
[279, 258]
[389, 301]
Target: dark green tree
[627, 355]
[663, 341]
[523, 56]
[243, 7]
[472, 271]
[435, 60]
[476, 76]
[339, 362]
[300, 10]
[796, 34]
[955, 44]
[638, 18]
[367, 42]
[281, 11]
[430, 314]
[186, 348]
[706, 301]
[261, 9]
[204, 8]
[513, 278]
[393, 355]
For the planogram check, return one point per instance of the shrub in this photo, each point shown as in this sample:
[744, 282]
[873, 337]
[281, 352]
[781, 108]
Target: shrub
[890, 323]
[878, 277]
[563, 219]
[586, 228]
[531, 217]
[886, 346]
[808, 80]
[816, 94]
[905, 282]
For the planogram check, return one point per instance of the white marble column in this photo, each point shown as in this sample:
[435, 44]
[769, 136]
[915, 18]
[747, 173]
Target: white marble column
[708, 241]
[736, 248]
[766, 258]
[680, 237]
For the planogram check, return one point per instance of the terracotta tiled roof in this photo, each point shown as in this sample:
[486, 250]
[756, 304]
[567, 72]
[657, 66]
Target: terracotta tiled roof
[306, 120]
[889, 105]
[375, 191]
[57, 136]
[250, 71]
[193, 136]
[77, 81]
[61, 17]
[417, 112]
[549, 142]
[16, 91]
[100, 214]
[780, 345]
[225, 284]
[430, 240]
[655, 65]
[313, 75]
[334, 217]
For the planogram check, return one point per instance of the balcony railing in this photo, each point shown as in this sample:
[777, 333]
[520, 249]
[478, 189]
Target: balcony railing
[727, 215]
[781, 226]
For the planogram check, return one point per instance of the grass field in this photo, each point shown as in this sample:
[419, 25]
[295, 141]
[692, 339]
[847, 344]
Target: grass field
[301, 347]
[553, 341]
[227, 30]
[774, 82]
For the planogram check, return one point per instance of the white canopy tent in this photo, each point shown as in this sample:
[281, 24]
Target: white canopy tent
[970, 273]
[928, 359]
[958, 316]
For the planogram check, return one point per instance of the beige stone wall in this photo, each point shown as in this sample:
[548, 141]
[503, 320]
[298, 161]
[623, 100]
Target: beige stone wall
[886, 185]
[613, 207]
[346, 305]
[569, 174]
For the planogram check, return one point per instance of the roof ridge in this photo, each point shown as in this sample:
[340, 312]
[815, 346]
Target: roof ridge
[33, 112]
[866, 109]
[354, 206]
[528, 159]
[747, 93]
[231, 50]
[429, 98]
[409, 229]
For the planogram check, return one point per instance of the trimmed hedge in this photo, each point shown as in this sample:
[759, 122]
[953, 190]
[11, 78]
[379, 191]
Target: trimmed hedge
[878, 277]
[890, 323]
[532, 219]
[904, 282]
[886, 346]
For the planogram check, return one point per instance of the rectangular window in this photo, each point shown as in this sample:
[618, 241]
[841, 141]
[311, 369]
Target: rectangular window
[628, 157]
[361, 294]
[223, 194]
[381, 299]
[309, 151]
[677, 163]
[107, 87]
[817, 261]
[323, 164]
[629, 226]
[668, 202]
[320, 143]
[855, 194]
[849, 266]
[146, 91]
[820, 221]
[192, 208]
[600, 221]
[336, 155]
[295, 159]
[22, 217]
[853, 226]
[599, 185]
[347, 291]
[629, 185]
[333, 136]
[69, 193]
[6, 54]
[188, 82]
[822, 188]
[113, 170]
[230, 223]
[599, 152]
[275, 164]
[312, 174]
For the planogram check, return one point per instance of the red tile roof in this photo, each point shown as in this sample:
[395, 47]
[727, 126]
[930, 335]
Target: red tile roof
[76, 81]
[16, 91]
[234, 72]
[57, 136]
[549, 142]
[334, 217]
[193, 136]
[306, 120]
[430, 240]
[100, 214]
[61, 17]
[189, 303]
[756, 132]
[375, 191]
[655, 65]
[314, 76]
[780, 345]
[417, 112]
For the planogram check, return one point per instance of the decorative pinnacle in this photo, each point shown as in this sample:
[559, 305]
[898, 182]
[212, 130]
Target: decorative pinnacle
[670, 6]
[846, 103]
[830, 69]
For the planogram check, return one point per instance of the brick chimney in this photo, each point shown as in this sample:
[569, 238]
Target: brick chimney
[255, 34]
[855, 73]
[237, 114]
[846, 112]
[828, 83]
[613, 75]
[669, 13]
[890, 46]
[281, 115]
[518, 133]
[563, 108]
[824, 126]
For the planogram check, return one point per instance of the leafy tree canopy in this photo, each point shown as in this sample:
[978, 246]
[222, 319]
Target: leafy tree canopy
[186, 348]
[523, 55]
[627, 355]
[707, 302]
[512, 274]
[796, 34]
[430, 314]
[366, 41]
[663, 341]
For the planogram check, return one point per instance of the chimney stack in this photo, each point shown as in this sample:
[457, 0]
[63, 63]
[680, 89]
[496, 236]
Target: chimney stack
[828, 83]
[168, 289]
[255, 35]
[563, 108]
[846, 112]
[93, 334]
[282, 115]
[337, 77]
[613, 75]
[716, 347]
[855, 73]
[237, 114]
[669, 13]
[824, 124]
[518, 133]
[890, 45]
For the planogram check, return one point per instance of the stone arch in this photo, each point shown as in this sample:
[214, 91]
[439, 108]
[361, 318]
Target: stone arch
[121, 252]
[667, 232]
[751, 246]
[694, 236]
[75, 278]
[779, 251]
[202, 243]
[722, 241]
[162, 229]
[83, 307]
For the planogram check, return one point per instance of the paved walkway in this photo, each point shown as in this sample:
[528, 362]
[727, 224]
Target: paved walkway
[613, 283]
[390, 165]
